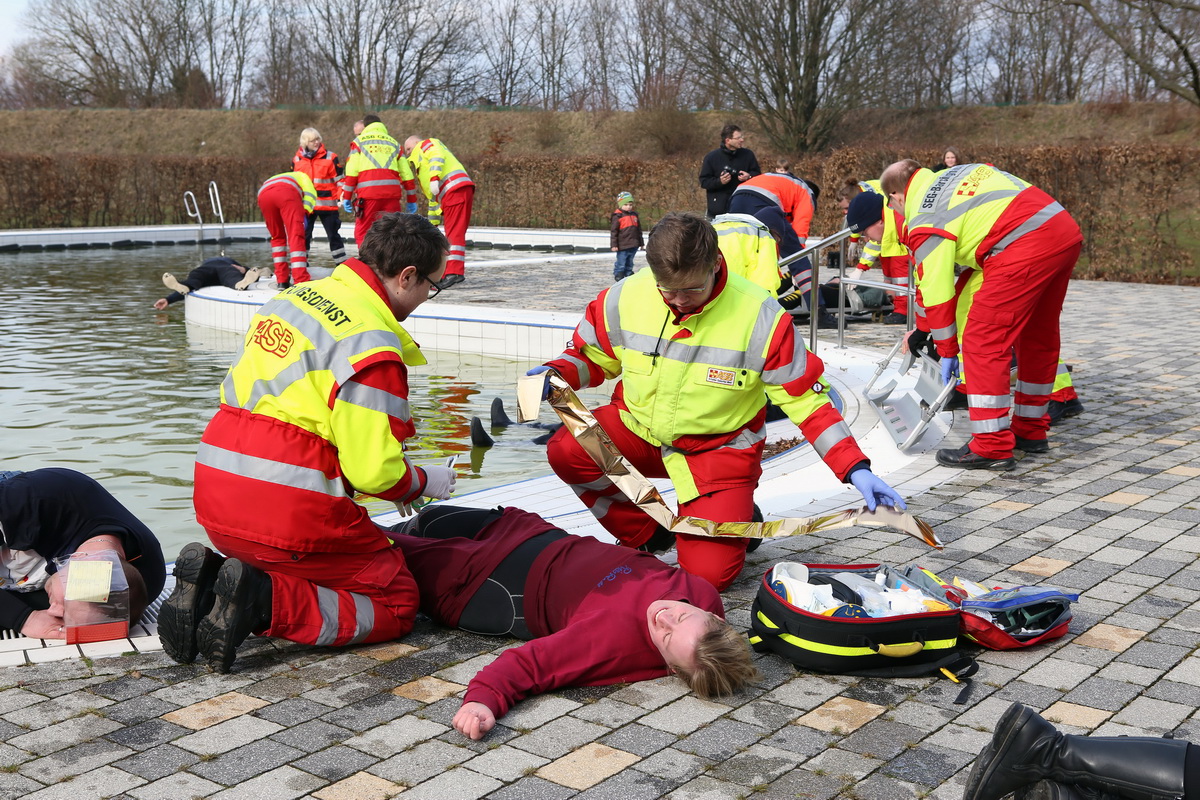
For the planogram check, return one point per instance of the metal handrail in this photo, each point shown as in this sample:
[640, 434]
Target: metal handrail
[214, 200]
[813, 316]
[193, 210]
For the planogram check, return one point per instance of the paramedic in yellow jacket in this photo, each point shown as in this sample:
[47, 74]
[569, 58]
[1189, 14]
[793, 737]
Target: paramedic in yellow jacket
[698, 351]
[750, 250]
[377, 179]
[1025, 245]
[315, 411]
[887, 250]
[451, 194]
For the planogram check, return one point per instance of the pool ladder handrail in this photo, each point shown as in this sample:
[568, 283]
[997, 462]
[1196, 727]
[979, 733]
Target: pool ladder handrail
[192, 207]
[214, 200]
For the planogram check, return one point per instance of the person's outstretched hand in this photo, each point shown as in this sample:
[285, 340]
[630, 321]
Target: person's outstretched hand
[875, 491]
[473, 720]
[43, 625]
[348, 206]
[949, 370]
[543, 369]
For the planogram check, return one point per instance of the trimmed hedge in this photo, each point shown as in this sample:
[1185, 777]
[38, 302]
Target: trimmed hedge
[1137, 205]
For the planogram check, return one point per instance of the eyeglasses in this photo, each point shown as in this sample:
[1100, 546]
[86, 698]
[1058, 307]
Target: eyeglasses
[434, 289]
[693, 290]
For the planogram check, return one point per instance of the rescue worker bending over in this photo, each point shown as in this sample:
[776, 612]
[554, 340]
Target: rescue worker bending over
[698, 351]
[314, 411]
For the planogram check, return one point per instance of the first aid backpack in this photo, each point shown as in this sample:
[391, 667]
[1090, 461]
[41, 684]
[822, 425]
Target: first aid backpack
[846, 641]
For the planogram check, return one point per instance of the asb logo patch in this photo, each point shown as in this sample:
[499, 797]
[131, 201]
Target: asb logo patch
[724, 377]
[271, 336]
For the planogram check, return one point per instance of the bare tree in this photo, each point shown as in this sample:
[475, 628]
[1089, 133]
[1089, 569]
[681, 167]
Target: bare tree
[554, 32]
[796, 66]
[1162, 37]
[505, 54]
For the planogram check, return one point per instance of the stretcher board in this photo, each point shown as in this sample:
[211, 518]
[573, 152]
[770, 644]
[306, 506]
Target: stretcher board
[907, 413]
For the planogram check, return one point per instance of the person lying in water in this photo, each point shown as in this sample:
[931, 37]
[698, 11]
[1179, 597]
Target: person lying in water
[593, 613]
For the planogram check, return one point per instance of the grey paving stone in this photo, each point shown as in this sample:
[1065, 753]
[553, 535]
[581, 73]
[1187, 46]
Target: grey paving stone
[1151, 654]
[720, 740]
[351, 690]
[927, 765]
[175, 787]
[462, 784]
[371, 711]
[758, 764]
[15, 787]
[559, 737]
[532, 788]
[639, 739]
[239, 765]
[292, 711]
[708, 788]
[158, 762]
[65, 764]
[673, 765]
[882, 787]
[505, 763]
[1103, 693]
[103, 782]
[336, 763]
[57, 709]
[283, 783]
[421, 762]
[312, 736]
[801, 783]
[138, 709]
[628, 785]
[608, 712]
[148, 734]
[64, 734]
[882, 739]
[800, 739]
[126, 687]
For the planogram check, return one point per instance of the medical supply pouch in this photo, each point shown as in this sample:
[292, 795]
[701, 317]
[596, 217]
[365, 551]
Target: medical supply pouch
[1007, 619]
[1002, 619]
[846, 640]
[95, 597]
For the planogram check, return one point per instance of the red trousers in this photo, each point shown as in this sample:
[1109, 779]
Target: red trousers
[369, 210]
[1017, 307]
[718, 561]
[332, 598]
[895, 270]
[456, 216]
[283, 211]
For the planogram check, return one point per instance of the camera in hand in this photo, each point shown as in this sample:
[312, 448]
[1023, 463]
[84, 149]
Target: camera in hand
[730, 171]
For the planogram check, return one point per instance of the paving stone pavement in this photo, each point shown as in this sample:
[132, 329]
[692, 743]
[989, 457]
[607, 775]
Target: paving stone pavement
[1111, 512]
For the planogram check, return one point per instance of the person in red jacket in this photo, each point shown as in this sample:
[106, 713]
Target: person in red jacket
[593, 613]
[285, 201]
[324, 168]
[785, 204]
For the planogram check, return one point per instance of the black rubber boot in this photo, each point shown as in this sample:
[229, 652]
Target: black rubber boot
[242, 607]
[660, 541]
[1049, 790]
[195, 576]
[1026, 749]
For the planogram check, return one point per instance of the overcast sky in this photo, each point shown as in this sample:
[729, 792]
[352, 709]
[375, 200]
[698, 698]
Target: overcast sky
[11, 28]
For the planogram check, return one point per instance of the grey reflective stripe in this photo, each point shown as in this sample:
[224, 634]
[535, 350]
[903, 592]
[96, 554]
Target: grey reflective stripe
[1031, 412]
[729, 229]
[927, 247]
[380, 182]
[794, 370]
[282, 179]
[989, 400]
[375, 399]
[899, 280]
[598, 485]
[744, 440]
[934, 210]
[948, 332]
[300, 254]
[1028, 226]
[587, 332]
[612, 310]
[990, 425]
[364, 617]
[267, 471]
[579, 364]
[774, 198]
[437, 162]
[1034, 388]
[743, 219]
[392, 146]
[327, 603]
[279, 249]
[1062, 369]
[830, 437]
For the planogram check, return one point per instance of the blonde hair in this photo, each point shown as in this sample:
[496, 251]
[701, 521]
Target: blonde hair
[721, 663]
[307, 135]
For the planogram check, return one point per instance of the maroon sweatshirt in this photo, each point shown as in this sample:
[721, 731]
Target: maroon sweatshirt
[585, 600]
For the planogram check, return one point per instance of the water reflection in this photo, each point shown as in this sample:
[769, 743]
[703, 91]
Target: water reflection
[92, 378]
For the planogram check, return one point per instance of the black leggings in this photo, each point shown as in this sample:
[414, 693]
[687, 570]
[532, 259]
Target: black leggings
[498, 607]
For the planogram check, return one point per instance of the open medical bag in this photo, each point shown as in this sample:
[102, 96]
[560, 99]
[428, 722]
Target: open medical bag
[904, 645]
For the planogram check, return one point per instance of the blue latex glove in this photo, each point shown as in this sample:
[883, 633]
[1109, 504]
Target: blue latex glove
[411, 208]
[875, 491]
[949, 370]
[348, 206]
[543, 369]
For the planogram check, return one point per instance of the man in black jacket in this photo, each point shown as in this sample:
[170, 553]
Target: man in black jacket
[50, 513]
[724, 168]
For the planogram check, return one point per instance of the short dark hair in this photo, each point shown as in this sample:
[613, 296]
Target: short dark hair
[680, 245]
[729, 130]
[398, 240]
[370, 119]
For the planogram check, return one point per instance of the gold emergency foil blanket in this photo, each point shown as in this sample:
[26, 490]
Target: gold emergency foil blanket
[583, 426]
